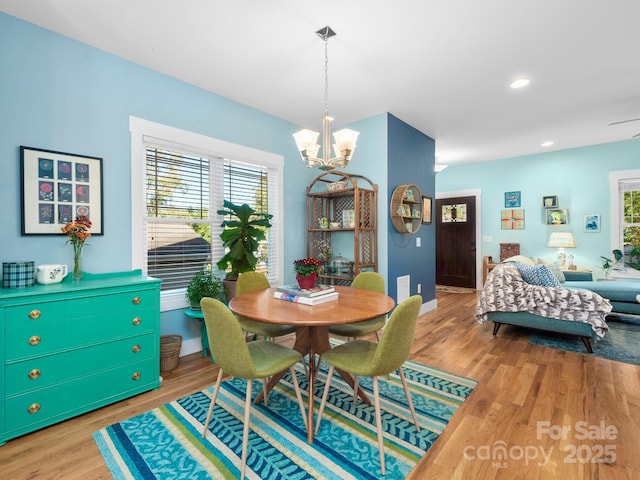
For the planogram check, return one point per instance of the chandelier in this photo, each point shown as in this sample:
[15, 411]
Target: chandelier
[345, 140]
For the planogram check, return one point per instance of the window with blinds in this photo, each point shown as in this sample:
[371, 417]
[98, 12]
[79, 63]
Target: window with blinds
[183, 193]
[630, 193]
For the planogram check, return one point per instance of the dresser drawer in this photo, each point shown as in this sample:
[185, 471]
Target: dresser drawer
[40, 372]
[80, 307]
[69, 324]
[39, 408]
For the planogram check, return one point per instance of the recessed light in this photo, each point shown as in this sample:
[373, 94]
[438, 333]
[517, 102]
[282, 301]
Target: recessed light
[546, 144]
[520, 82]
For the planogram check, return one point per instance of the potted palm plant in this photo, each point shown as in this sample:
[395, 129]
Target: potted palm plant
[241, 236]
[205, 283]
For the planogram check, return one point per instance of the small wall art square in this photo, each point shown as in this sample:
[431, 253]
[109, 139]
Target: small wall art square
[56, 188]
[550, 201]
[592, 222]
[512, 199]
[557, 216]
[512, 219]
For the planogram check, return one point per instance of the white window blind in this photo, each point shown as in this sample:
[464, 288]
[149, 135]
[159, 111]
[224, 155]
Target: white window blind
[183, 193]
[182, 219]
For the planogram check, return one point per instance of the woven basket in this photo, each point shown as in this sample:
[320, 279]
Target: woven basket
[169, 351]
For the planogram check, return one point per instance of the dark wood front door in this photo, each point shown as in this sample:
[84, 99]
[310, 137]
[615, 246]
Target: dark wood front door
[456, 242]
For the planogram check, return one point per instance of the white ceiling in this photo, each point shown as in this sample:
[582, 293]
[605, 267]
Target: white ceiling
[443, 66]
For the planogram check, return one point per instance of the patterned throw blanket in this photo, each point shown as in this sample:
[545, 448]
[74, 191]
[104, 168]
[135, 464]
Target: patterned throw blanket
[506, 291]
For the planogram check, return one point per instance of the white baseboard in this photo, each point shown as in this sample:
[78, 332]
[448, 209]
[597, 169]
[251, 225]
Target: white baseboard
[429, 306]
[190, 346]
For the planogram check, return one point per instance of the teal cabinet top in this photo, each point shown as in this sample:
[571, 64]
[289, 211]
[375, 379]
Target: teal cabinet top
[90, 281]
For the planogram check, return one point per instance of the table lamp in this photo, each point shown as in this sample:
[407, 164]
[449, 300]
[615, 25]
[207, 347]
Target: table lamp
[561, 240]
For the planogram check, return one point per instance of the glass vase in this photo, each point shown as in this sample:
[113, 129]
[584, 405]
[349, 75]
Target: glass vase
[77, 265]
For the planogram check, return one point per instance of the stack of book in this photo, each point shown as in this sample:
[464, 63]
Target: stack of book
[307, 296]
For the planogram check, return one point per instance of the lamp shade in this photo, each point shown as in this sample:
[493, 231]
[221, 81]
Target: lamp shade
[345, 140]
[306, 140]
[561, 240]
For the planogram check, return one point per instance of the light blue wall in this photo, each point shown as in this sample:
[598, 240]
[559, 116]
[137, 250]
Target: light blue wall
[370, 160]
[58, 94]
[580, 178]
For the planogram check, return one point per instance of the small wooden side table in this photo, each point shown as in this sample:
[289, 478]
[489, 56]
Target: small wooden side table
[487, 266]
[204, 338]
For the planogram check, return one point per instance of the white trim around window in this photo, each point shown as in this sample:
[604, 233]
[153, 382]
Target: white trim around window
[615, 178]
[144, 132]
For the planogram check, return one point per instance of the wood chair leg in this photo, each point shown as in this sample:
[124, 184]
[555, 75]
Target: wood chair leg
[355, 389]
[325, 394]
[409, 401]
[245, 432]
[298, 393]
[213, 403]
[496, 327]
[265, 391]
[587, 344]
[376, 399]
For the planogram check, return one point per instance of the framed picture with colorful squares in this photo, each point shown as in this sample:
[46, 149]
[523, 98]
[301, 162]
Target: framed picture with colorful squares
[56, 188]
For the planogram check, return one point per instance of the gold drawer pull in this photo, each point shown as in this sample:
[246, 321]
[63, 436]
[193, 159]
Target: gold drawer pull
[136, 300]
[136, 376]
[34, 314]
[35, 373]
[34, 408]
[35, 340]
[137, 321]
[135, 349]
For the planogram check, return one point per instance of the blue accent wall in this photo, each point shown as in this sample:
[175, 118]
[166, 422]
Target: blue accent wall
[411, 158]
[578, 176]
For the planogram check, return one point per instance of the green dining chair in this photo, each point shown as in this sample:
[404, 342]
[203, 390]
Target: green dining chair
[362, 358]
[248, 282]
[236, 357]
[369, 281]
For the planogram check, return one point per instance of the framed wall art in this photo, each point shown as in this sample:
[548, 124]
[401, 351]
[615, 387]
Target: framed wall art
[557, 216]
[57, 187]
[592, 222]
[426, 209]
[550, 201]
[511, 199]
[512, 219]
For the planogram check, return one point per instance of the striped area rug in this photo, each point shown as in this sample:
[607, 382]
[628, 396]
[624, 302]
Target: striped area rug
[165, 443]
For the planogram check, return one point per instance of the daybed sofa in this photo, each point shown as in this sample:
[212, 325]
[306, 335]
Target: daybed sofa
[507, 298]
[623, 295]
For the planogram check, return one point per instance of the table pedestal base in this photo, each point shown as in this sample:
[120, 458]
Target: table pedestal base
[313, 341]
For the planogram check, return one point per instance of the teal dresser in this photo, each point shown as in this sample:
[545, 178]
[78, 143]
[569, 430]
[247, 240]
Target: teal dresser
[72, 347]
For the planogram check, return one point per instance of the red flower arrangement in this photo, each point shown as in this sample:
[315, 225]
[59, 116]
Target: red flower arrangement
[78, 232]
[306, 266]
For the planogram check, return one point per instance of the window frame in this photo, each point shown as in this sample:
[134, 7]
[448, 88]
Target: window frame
[145, 133]
[615, 201]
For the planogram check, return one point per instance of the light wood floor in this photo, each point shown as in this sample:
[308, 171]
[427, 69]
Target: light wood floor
[520, 386]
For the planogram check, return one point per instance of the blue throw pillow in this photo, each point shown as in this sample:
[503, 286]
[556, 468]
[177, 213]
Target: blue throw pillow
[538, 275]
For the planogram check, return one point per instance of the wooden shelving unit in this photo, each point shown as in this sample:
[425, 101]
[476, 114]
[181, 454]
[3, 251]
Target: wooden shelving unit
[406, 208]
[352, 197]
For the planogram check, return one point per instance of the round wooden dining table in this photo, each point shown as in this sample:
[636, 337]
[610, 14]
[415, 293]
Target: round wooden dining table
[312, 324]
